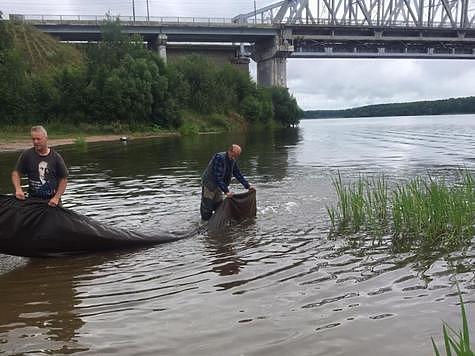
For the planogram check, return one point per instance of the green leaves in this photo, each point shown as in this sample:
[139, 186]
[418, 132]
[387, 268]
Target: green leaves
[286, 110]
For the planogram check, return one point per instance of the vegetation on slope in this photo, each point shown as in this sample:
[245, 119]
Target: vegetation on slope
[39, 51]
[118, 84]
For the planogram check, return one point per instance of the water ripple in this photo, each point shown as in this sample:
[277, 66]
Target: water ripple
[266, 286]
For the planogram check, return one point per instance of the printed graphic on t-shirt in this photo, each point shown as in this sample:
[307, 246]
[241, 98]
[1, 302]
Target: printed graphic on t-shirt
[44, 186]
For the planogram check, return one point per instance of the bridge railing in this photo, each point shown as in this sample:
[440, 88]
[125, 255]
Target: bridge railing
[210, 21]
[129, 20]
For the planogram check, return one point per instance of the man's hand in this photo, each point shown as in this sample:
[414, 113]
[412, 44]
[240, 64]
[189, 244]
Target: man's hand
[20, 195]
[229, 194]
[54, 201]
[251, 188]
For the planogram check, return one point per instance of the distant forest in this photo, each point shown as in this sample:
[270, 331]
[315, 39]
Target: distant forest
[436, 107]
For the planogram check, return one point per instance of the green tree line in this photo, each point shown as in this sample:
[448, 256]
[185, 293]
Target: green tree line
[118, 80]
[436, 107]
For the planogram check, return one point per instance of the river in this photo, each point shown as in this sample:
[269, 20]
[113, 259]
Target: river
[274, 286]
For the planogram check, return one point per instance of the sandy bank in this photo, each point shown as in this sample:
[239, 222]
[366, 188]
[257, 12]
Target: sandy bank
[21, 144]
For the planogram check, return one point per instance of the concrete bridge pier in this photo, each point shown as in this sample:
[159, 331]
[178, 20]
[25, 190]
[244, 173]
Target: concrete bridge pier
[272, 72]
[159, 44]
[271, 57]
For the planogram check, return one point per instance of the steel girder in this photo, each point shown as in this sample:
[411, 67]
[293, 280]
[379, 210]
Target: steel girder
[455, 14]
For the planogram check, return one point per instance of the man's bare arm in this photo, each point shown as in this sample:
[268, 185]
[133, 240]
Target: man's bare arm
[63, 182]
[16, 180]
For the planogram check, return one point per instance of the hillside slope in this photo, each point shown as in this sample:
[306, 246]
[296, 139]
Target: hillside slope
[40, 51]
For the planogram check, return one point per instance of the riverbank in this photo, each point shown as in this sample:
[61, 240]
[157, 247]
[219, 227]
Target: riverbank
[452, 106]
[21, 143]
[16, 138]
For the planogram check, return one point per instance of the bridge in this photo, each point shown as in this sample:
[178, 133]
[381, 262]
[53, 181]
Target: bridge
[443, 29]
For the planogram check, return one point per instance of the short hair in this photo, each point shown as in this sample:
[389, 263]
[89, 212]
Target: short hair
[39, 128]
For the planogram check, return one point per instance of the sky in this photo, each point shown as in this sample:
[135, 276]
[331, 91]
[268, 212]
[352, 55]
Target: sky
[319, 84]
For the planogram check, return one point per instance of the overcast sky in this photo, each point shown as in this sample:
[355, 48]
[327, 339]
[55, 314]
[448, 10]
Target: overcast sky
[316, 83]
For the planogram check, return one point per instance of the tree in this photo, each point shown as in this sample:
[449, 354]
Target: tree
[200, 77]
[286, 109]
[251, 109]
[13, 86]
[70, 84]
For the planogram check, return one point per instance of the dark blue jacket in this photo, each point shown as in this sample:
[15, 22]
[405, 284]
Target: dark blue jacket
[219, 172]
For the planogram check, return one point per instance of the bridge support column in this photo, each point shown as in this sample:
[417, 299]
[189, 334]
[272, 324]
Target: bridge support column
[162, 46]
[271, 57]
[272, 72]
[159, 44]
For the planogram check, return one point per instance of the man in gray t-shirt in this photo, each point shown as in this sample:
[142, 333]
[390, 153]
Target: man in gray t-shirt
[45, 168]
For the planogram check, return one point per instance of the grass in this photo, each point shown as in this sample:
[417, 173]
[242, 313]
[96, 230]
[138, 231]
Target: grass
[73, 131]
[189, 128]
[194, 123]
[41, 51]
[456, 343]
[80, 143]
[361, 206]
[421, 211]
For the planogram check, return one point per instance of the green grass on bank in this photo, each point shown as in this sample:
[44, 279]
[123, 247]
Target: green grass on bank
[193, 124]
[421, 212]
[65, 130]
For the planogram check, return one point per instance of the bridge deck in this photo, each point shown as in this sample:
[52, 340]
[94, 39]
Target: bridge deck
[319, 40]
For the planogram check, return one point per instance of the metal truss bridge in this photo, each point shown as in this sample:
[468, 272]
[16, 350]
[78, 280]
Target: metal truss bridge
[382, 13]
[374, 28]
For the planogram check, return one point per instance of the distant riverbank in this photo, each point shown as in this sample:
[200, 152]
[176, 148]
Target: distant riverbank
[451, 106]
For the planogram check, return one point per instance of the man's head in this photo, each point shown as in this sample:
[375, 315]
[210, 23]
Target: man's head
[39, 136]
[234, 151]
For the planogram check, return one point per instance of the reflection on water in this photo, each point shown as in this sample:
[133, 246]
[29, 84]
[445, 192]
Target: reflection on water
[226, 260]
[273, 286]
[38, 311]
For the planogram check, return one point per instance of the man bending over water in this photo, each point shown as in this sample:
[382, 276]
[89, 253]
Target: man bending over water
[217, 177]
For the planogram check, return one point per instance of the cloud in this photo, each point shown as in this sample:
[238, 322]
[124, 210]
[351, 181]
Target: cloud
[343, 83]
[184, 8]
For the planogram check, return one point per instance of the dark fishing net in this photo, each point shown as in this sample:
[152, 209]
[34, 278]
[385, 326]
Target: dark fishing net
[233, 210]
[32, 228]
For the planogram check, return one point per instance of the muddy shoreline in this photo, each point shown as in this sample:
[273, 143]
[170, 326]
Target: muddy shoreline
[22, 144]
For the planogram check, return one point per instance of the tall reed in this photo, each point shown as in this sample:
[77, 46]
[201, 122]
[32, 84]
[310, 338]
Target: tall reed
[421, 211]
[456, 343]
[362, 205]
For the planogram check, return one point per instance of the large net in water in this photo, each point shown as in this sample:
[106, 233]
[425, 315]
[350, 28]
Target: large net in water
[32, 228]
[232, 210]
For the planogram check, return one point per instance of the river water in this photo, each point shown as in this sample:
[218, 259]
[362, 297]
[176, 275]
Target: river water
[274, 286]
